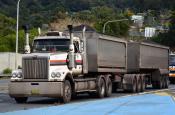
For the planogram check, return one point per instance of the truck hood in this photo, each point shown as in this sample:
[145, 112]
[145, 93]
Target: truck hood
[50, 56]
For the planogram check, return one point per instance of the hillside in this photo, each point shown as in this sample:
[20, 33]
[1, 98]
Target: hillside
[36, 12]
[58, 13]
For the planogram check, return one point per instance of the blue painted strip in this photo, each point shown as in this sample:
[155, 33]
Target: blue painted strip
[148, 104]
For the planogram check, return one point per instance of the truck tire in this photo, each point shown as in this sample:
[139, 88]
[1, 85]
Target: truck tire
[138, 83]
[67, 92]
[166, 81]
[163, 81]
[143, 84]
[134, 85]
[100, 89]
[108, 90]
[21, 99]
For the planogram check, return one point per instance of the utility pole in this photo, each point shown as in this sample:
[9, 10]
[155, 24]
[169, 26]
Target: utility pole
[17, 28]
[104, 27]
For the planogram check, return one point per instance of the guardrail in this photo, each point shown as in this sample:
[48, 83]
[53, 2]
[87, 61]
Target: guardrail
[5, 75]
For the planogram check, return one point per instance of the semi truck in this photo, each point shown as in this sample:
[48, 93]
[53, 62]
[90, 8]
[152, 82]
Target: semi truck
[80, 60]
[172, 68]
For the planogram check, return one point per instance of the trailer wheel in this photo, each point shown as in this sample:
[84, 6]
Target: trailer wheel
[139, 83]
[134, 85]
[143, 84]
[21, 99]
[108, 91]
[166, 82]
[163, 81]
[100, 88]
[67, 92]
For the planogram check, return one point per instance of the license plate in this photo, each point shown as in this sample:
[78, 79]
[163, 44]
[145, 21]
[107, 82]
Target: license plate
[35, 91]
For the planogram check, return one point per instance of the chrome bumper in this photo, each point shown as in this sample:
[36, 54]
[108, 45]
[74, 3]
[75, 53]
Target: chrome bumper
[45, 89]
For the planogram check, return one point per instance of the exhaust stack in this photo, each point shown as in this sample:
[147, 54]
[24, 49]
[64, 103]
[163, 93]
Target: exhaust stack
[27, 46]
[39, 31]
[71, 55]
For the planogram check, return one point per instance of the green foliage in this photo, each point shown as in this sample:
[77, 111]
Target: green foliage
[168, 38]
[7, 71]
[8, 35]
[6, 30]
[99, 15]
[37, 12]
[97, 12]
[104, 14]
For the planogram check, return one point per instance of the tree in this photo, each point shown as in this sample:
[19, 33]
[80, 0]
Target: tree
[104, 14]
[168, 38]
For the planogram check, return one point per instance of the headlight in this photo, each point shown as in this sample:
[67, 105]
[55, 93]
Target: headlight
[58, 74]
[19, 75]
[55, 74]
[14, 74]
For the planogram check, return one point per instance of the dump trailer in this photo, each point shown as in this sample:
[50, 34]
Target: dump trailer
[84, 61]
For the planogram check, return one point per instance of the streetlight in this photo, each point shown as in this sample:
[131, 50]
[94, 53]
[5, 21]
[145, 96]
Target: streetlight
[17, 25]
[104, 27]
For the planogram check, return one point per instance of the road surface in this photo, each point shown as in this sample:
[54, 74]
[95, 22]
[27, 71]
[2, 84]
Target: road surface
[8, 104]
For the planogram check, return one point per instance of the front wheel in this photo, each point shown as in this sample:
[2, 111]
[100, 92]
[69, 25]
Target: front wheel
[21, 99]
[67, 92]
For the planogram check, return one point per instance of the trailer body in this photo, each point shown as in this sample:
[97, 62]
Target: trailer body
[111, 54]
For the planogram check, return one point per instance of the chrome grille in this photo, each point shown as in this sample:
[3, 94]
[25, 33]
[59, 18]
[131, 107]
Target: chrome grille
[35, 68]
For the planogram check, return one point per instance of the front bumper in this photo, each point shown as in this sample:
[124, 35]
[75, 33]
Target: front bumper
[45, 89]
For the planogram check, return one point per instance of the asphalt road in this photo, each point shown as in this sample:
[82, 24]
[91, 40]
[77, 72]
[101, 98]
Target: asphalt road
[8, 104]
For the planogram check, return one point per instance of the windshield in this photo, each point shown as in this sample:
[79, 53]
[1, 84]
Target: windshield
[51, 45]
[172, 60]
